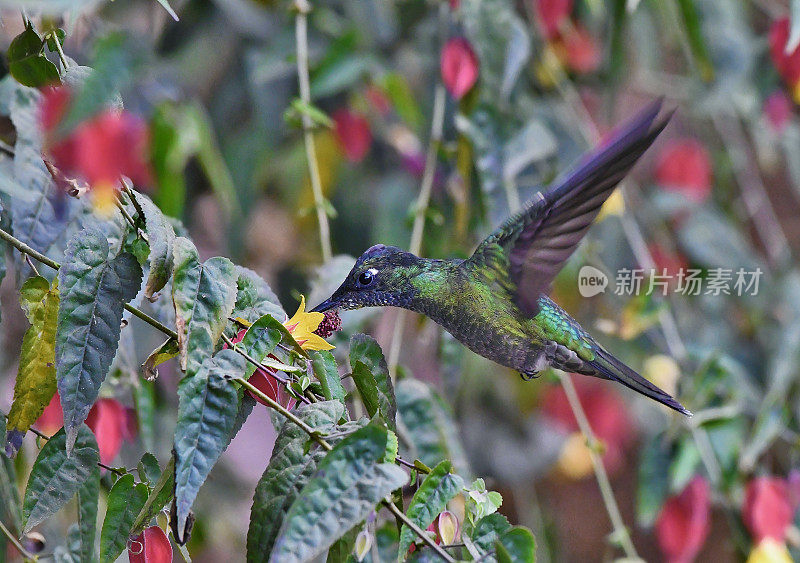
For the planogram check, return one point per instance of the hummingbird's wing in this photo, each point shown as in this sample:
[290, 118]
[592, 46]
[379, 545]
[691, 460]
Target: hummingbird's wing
[533, 244]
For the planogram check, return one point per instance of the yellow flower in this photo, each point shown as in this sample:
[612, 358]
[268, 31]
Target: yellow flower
[769, 551]
[302, 326]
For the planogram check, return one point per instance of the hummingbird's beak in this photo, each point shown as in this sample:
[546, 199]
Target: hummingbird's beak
[324, 306]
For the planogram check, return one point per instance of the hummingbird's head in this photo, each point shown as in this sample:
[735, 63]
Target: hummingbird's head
[381, 276]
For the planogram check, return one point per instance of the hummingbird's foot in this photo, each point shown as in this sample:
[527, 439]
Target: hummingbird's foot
[529, 376]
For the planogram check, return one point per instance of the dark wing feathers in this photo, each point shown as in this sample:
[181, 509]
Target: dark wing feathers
[538, 240]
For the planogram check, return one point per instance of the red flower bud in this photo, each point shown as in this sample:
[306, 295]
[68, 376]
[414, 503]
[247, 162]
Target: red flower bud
[787, 64]
[767, 511]
[353, 134]
[459, 67]
[683, 523]
[151, 546]
[579, 50]
[109, 420]
[778, 110]
[684, 165]
[52, 419]
[551, 14]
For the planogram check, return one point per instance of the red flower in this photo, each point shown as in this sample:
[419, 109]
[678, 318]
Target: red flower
[778, 110]
[265, 382]
[52, 419]
[788, 65]
[459, 67]
[683, 523]
[578, 50]
[151, 546]
[606, 412]
[353, 133]
[551, 14]
[684, 165]
[111, 144]
[767, 511]
[110, 421]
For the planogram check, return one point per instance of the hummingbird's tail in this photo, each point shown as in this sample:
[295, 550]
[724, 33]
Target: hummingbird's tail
[609, 367]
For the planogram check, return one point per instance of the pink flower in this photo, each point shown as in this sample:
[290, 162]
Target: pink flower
[683, 523]
[551, 14]
[353, 134]
[767, 510]
[579, 50]
[459, 67]
[684, 165]
[778, 110]
[151, 546]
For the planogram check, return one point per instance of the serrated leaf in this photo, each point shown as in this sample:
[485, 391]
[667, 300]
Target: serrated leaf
[93, 292]
[88, 497]
[36, 377]
[203, 296]
[260, 340]
[289, 469]
[158, 498]
[254, 297]
[327, 374]
[207, 409]
[418, 411]
[125, 500]
[149, 469]
[438, 488]
[55, 477]
[348, 483]
[373, 381]
[517, 545]
[161, 237]
[488, 529]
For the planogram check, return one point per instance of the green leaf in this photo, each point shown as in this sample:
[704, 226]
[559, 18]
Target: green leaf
[93, 292]
[27, 63]
[158, 498]
[149, 470]
[169, 9]
[260, 340]
[115, 58]
[169, 154]
[10, 506]
[347, 485]
[697, 43]
[161, 237]
[517, 545]
[341, 551]
[421, 416]
[289, 469]
[36, 377]
[203, 296]
[167, 351]
[653, 480]
[299, 109]
[88, 498]
[144, 399]
[488, 529]
[372, 379]
[51, 37]
[438, 488]
[403, 99]
[125, 500]
[327, 373]
[207, 409]
[56, 477]
[254, 298]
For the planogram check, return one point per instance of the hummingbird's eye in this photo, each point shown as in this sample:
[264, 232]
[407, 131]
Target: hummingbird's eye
[367, 277]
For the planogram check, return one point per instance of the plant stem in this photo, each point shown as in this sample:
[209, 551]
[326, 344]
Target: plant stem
[387, 502]
[420, 210]
[301, 36]
[621, 533]
[61, 54]
[15, 542]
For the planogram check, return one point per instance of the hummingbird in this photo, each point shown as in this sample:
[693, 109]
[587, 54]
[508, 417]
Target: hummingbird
[496, 301]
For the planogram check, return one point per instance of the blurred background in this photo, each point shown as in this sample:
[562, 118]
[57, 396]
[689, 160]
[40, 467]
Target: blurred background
[478, 104]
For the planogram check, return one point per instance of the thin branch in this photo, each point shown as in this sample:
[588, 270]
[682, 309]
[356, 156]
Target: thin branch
[301, 36]
[31, 264]
[421, 209]
[16, 543]
[621, 532]
[387, 502]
